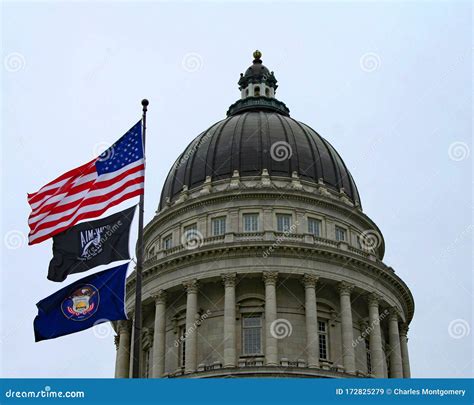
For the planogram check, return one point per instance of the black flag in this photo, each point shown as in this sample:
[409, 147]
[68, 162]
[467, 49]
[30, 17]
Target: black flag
[90, 244]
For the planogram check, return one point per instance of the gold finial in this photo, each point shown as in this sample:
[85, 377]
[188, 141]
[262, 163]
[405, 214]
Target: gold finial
[257, 54]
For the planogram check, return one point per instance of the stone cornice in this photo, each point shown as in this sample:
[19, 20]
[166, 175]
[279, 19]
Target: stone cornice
[403, 329]
[326, 254]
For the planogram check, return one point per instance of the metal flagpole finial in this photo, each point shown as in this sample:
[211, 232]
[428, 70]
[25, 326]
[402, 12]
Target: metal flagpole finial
[145, 103]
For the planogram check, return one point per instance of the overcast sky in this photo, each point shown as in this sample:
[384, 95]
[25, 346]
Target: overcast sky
[388, 84]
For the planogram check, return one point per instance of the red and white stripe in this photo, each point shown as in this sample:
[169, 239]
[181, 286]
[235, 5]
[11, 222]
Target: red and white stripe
[81, 194]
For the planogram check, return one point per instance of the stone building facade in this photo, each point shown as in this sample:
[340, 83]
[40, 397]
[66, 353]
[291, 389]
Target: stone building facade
[260, 260]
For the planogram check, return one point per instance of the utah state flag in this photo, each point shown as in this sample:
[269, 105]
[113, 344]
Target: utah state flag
[87, 302]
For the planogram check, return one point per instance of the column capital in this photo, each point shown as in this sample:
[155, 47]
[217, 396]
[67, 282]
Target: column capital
[394, 314]
[403, 329]
[229, 279]
[373, 299]
[310, 280]
[345, 288]
[270, 277]
[124, 326]
[191, 286]
[159, 297]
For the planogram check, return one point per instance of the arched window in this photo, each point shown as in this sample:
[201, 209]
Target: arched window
[247, 92]
[267, 92]
[256, 91]
[252, 325]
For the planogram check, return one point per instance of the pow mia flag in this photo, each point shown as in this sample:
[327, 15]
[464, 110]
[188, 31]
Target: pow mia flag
[90, 244]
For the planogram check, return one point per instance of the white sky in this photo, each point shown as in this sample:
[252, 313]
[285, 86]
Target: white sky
[84, 67]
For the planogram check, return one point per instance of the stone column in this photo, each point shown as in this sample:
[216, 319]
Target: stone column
[229, 320]
[271, 348]
[396, 370]
[348, 356]
[375, 338]
[404, 351]
[159, 336]
[190, 365]
[123, 351]
[311, 314]
[116, 344]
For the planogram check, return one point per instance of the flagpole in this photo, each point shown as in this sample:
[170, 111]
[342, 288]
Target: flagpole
[137, 325]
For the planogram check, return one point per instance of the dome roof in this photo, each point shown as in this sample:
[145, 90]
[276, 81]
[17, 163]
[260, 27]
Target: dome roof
[251, 141]
[258, 134]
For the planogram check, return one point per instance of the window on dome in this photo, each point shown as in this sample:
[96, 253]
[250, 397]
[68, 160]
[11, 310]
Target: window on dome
[218, 226]
[252, 335]
[283, 222]
[190, 230]
[314, 226]
[267, 92]
[323, 340]
[256, 91]
[340, 234]
[250, 222]
[151, 252]
[168, 242]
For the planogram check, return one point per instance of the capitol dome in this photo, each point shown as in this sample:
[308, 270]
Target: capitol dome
[260, 261]
[254, 139]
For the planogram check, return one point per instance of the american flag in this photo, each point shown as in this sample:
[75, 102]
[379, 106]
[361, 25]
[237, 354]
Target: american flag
[89, 190]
